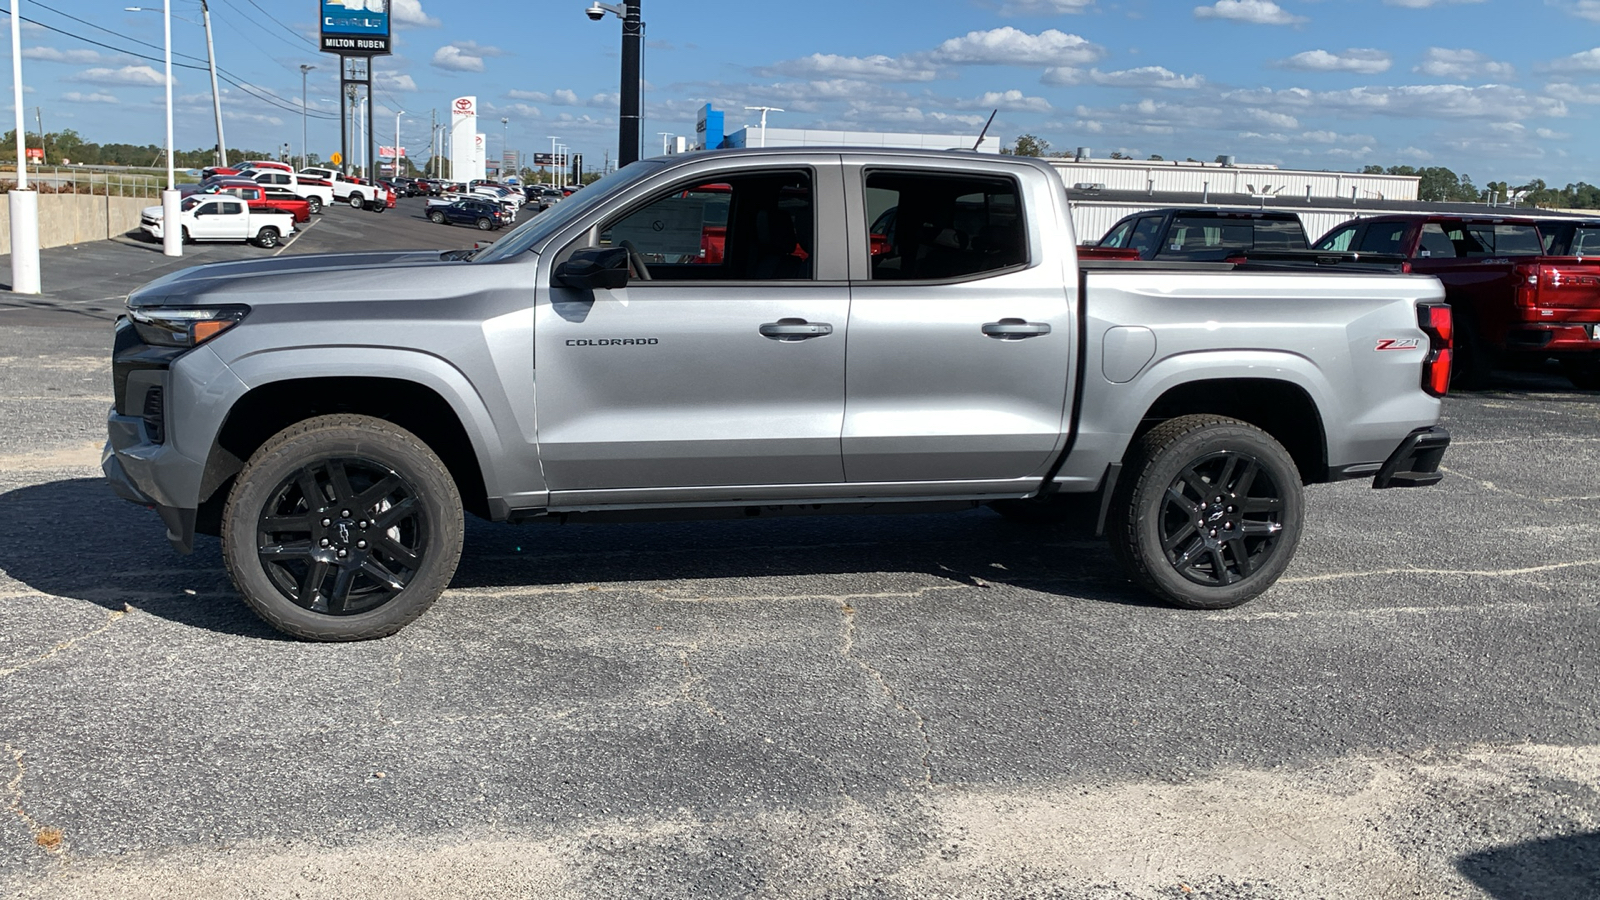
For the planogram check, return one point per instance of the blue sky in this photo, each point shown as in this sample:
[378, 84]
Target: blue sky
[1498, 89]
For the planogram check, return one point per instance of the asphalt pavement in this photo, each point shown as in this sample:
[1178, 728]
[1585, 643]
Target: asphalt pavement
[899, 707]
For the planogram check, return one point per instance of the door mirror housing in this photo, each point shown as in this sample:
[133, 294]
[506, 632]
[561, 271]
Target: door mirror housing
[595, 268]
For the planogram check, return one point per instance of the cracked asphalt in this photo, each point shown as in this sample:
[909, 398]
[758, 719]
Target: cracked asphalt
[867, 707]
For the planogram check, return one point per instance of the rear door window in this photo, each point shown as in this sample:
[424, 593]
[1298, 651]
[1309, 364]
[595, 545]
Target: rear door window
[1435, 243]
[1206, 238]
[1339, 241]
[1383, 237]
[944, 226]
[1279, 234]
[1480, 239]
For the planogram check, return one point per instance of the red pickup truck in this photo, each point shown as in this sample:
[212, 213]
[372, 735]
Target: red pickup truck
[257, 197]
[1515, 284]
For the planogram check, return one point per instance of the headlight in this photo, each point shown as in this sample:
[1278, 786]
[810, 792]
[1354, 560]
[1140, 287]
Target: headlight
[162, 326]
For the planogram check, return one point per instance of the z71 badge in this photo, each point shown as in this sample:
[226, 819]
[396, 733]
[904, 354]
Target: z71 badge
[1399, 343]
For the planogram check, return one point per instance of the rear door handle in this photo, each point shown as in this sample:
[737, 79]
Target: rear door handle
[795, 330]
[1015, 329]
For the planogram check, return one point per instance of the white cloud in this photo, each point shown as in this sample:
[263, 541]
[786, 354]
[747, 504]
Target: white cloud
[1255, 12]
[394, 81]
[1146, 77]
[409, 12]
[1583, 9]
[1463, 65]
[143, 76]
[96, 97]
[535, 96]
[1424, 4]
[1492, 102]
[1551, 135]
[1010, 101]
[1356, 59]
[51, 54]
[1044, 7]
[1008, 46]
[871, 68]
[1587, 61]
[462, 56]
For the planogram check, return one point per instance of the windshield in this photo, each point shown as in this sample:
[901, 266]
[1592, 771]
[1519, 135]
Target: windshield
[541, 226]
[190, 203]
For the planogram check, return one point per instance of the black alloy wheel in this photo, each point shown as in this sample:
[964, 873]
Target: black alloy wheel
[1221, 518]
[1207, 512]
[342, 528]
[342, 536]
[267, 237]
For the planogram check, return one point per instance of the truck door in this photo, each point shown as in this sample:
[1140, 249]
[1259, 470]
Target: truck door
[207, 222]
[961, 336]
[726, 366]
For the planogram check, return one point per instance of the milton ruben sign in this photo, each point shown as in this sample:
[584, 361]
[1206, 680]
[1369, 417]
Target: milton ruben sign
[355, 27]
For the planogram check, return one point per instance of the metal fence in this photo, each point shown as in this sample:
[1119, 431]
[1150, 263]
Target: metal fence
[86, 180]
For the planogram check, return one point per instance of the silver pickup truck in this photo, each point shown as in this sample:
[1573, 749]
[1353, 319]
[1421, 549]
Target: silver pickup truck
[755, 333]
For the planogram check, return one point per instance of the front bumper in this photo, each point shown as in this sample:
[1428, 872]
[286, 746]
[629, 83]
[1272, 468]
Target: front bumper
[131, 462]
[1415, 463]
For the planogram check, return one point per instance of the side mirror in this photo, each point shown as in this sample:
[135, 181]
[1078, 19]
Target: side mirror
[595, 268]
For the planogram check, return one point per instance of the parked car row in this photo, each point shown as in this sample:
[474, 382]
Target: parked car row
[1521, 287]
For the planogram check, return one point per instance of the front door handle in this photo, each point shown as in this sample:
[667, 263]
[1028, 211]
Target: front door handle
[1015, 329]
[795, 330]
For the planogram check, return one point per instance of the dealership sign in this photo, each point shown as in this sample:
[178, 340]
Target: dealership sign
[355, 27]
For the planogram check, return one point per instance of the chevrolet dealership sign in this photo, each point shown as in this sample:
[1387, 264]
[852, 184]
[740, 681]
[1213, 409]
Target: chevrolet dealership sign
[355, 27]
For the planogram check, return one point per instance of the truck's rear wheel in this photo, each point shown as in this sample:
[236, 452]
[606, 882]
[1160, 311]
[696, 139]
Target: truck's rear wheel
[267, 237]
[1208, 512]
[314, 204]
[342, 528]
[357, 201]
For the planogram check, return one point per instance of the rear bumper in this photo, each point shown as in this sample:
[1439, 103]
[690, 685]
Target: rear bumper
[1555, 338]
[1415, 463]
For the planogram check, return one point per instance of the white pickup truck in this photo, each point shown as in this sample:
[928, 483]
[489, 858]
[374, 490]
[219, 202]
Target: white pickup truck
[355, 193]
[208, 218]
[318, 195]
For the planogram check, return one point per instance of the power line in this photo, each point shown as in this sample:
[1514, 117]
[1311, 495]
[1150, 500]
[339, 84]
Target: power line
[297, 35]
[299, 43]
[222, 74]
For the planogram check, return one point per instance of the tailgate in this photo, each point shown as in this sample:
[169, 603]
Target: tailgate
[1555, 283]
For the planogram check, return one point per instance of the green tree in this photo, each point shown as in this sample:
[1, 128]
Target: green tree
[1028, 145]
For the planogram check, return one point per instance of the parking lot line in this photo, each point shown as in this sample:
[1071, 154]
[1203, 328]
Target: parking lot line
[297, 233]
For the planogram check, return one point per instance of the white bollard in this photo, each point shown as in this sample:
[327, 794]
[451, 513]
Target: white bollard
[24, 241]
[171, 225]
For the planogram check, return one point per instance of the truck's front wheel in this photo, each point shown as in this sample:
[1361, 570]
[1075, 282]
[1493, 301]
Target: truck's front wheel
[1208, 512]
[342, 528]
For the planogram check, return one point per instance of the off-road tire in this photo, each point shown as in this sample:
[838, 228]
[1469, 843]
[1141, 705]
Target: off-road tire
[1145, 512]
[434, 509]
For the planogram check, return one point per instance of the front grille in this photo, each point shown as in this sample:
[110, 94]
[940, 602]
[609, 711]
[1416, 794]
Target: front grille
[155, 414]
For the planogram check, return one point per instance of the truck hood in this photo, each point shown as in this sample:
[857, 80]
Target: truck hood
[321, 278]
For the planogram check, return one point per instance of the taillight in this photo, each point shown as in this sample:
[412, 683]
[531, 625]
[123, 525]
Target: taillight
[1527, 278]
[1436, 321]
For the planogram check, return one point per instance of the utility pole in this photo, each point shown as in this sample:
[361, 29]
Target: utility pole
[397, 116]
[216, 98]
[44, 148]
[303, 70]
[433, 136]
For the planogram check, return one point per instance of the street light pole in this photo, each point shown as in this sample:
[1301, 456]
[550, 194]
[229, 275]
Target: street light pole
[171, 228]
[397, 116]
[553, 140]
[628, 115]
[505, 130]
[23, 203]
[764, 111]
[303, 70]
